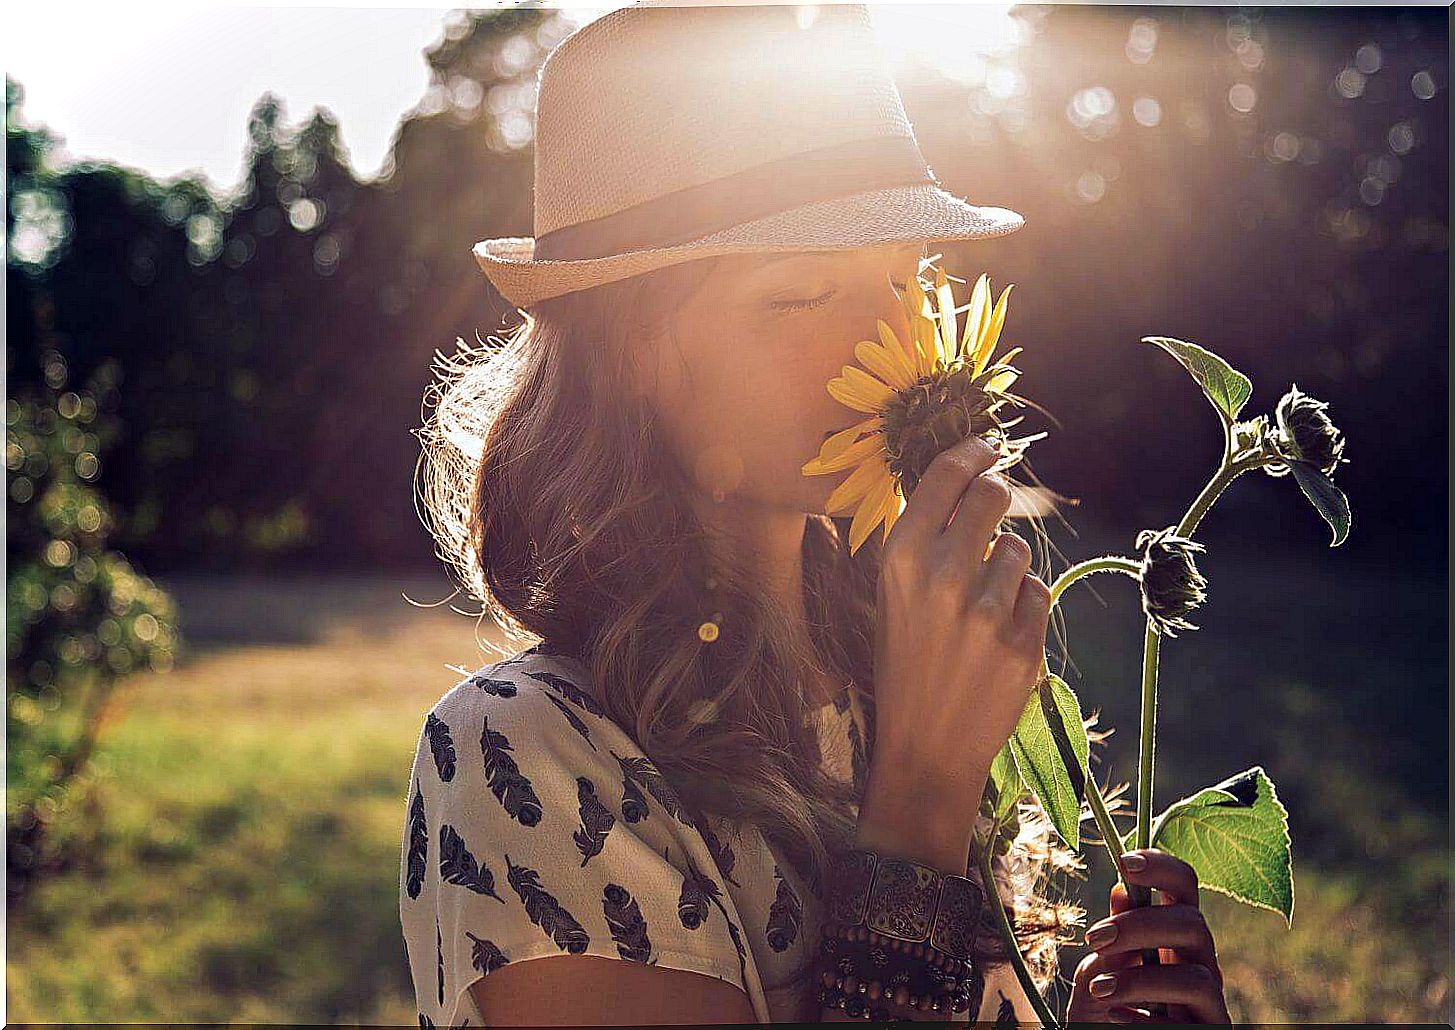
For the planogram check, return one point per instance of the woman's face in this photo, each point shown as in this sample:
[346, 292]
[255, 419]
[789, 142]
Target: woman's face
[741, 379]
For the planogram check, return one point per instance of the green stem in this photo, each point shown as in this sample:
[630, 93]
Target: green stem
[1140, 896]
[1007, 933]
[1108, 563]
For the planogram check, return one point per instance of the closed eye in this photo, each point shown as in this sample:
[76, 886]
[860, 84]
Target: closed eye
[803, 305]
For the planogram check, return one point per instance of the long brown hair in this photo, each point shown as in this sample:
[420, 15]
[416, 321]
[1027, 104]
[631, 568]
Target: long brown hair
[555, 501]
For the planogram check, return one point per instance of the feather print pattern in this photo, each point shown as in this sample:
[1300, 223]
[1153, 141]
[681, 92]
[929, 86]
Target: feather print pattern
[571, 717]
[439, 951]
[418, 854]
[722, 851]
[570, 691]
[458, 866]
[628, 928]
[785, 916]
[507, 783]
[560, 777]
[545, 911]
[1005, 1015]
[500, 688]
[596, 820]
[484, 955]
[642, 771]
[441, 746]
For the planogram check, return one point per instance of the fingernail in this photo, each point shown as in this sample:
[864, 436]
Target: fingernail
[1103, 985]
[1134, 861]
[1101, 933]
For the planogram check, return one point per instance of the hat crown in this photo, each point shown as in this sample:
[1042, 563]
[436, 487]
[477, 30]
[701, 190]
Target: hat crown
[647, 100]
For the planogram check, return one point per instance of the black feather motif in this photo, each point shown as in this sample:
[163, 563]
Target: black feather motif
[570, 691]
[441, 745]
[500, 688]
[692, 910]
[1005, 1015]
[633, 804]
[458, 866]
[418, 855]
[439, 950]
[697, 890]
[510, 787]
[425, 1022]
[596, 820]
[641, 770]
[628, 927]
[714, 893]
[785, 915]
[545, 911]
[722, 851]
[484, 955]
[571, 717]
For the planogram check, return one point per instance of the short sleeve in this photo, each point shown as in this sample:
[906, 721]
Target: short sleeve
[534, 826]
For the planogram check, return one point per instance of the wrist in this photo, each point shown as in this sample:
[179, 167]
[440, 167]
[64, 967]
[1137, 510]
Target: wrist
[926, 817]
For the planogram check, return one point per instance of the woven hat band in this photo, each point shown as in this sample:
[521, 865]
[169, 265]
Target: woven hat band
[765, 189]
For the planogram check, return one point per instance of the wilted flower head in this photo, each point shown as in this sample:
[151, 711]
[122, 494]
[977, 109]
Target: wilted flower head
[1171, 585]
[1305, 433]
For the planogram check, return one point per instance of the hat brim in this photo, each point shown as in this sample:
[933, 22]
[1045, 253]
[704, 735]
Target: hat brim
[896, 214]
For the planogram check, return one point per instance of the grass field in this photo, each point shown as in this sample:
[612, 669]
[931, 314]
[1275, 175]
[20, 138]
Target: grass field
[239, 862]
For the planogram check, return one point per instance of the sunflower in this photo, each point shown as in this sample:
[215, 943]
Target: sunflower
[922, 395]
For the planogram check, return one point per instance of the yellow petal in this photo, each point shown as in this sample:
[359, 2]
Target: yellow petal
[850, 455]
[992, 330]
[896, 349]
[883, 364]
[1002, 380]
[975, 317]
[852, 489]
[927, 347]
[870, 513]
[946, 297]
[895, 509]
[859, 390]
[836, 443]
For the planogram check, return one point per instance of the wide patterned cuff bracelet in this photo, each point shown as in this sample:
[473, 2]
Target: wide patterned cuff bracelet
[906, 900]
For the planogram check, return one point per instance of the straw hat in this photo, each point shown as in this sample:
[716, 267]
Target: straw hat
[667, 134]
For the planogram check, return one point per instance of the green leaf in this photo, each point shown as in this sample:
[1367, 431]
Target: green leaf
[1050, 749]
[1328, 500]
[1225, 386]
[1235, 834]
[1008, 783]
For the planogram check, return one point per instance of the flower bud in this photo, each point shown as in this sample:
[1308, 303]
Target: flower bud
[1305, 433]
[1171, 585]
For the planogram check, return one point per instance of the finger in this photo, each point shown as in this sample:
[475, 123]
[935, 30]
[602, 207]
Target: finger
[986, 500]
[1180, 928]
[939, 489]
[1033, 606]
[1185, 984]
[1010, 557]
[1095, 963]
[1168, 874]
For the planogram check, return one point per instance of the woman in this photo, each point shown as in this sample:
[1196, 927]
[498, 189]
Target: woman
[724, 702]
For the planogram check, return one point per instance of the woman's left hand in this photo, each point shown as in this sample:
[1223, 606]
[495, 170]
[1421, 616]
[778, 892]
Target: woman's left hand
[1188, 979]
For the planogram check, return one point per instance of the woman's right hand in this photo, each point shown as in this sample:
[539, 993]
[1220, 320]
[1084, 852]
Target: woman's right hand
[961, 634]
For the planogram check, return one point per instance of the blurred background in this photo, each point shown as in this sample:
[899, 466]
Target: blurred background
[225, 621]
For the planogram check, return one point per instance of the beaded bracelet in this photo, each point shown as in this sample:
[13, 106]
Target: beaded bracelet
[902, 930]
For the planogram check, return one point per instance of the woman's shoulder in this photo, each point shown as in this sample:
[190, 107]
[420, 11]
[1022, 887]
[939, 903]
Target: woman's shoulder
[538, 704]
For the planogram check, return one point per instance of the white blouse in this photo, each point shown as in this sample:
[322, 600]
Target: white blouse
[535, 826]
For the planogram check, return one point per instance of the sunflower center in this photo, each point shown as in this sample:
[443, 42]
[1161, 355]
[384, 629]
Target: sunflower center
[936, 412]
